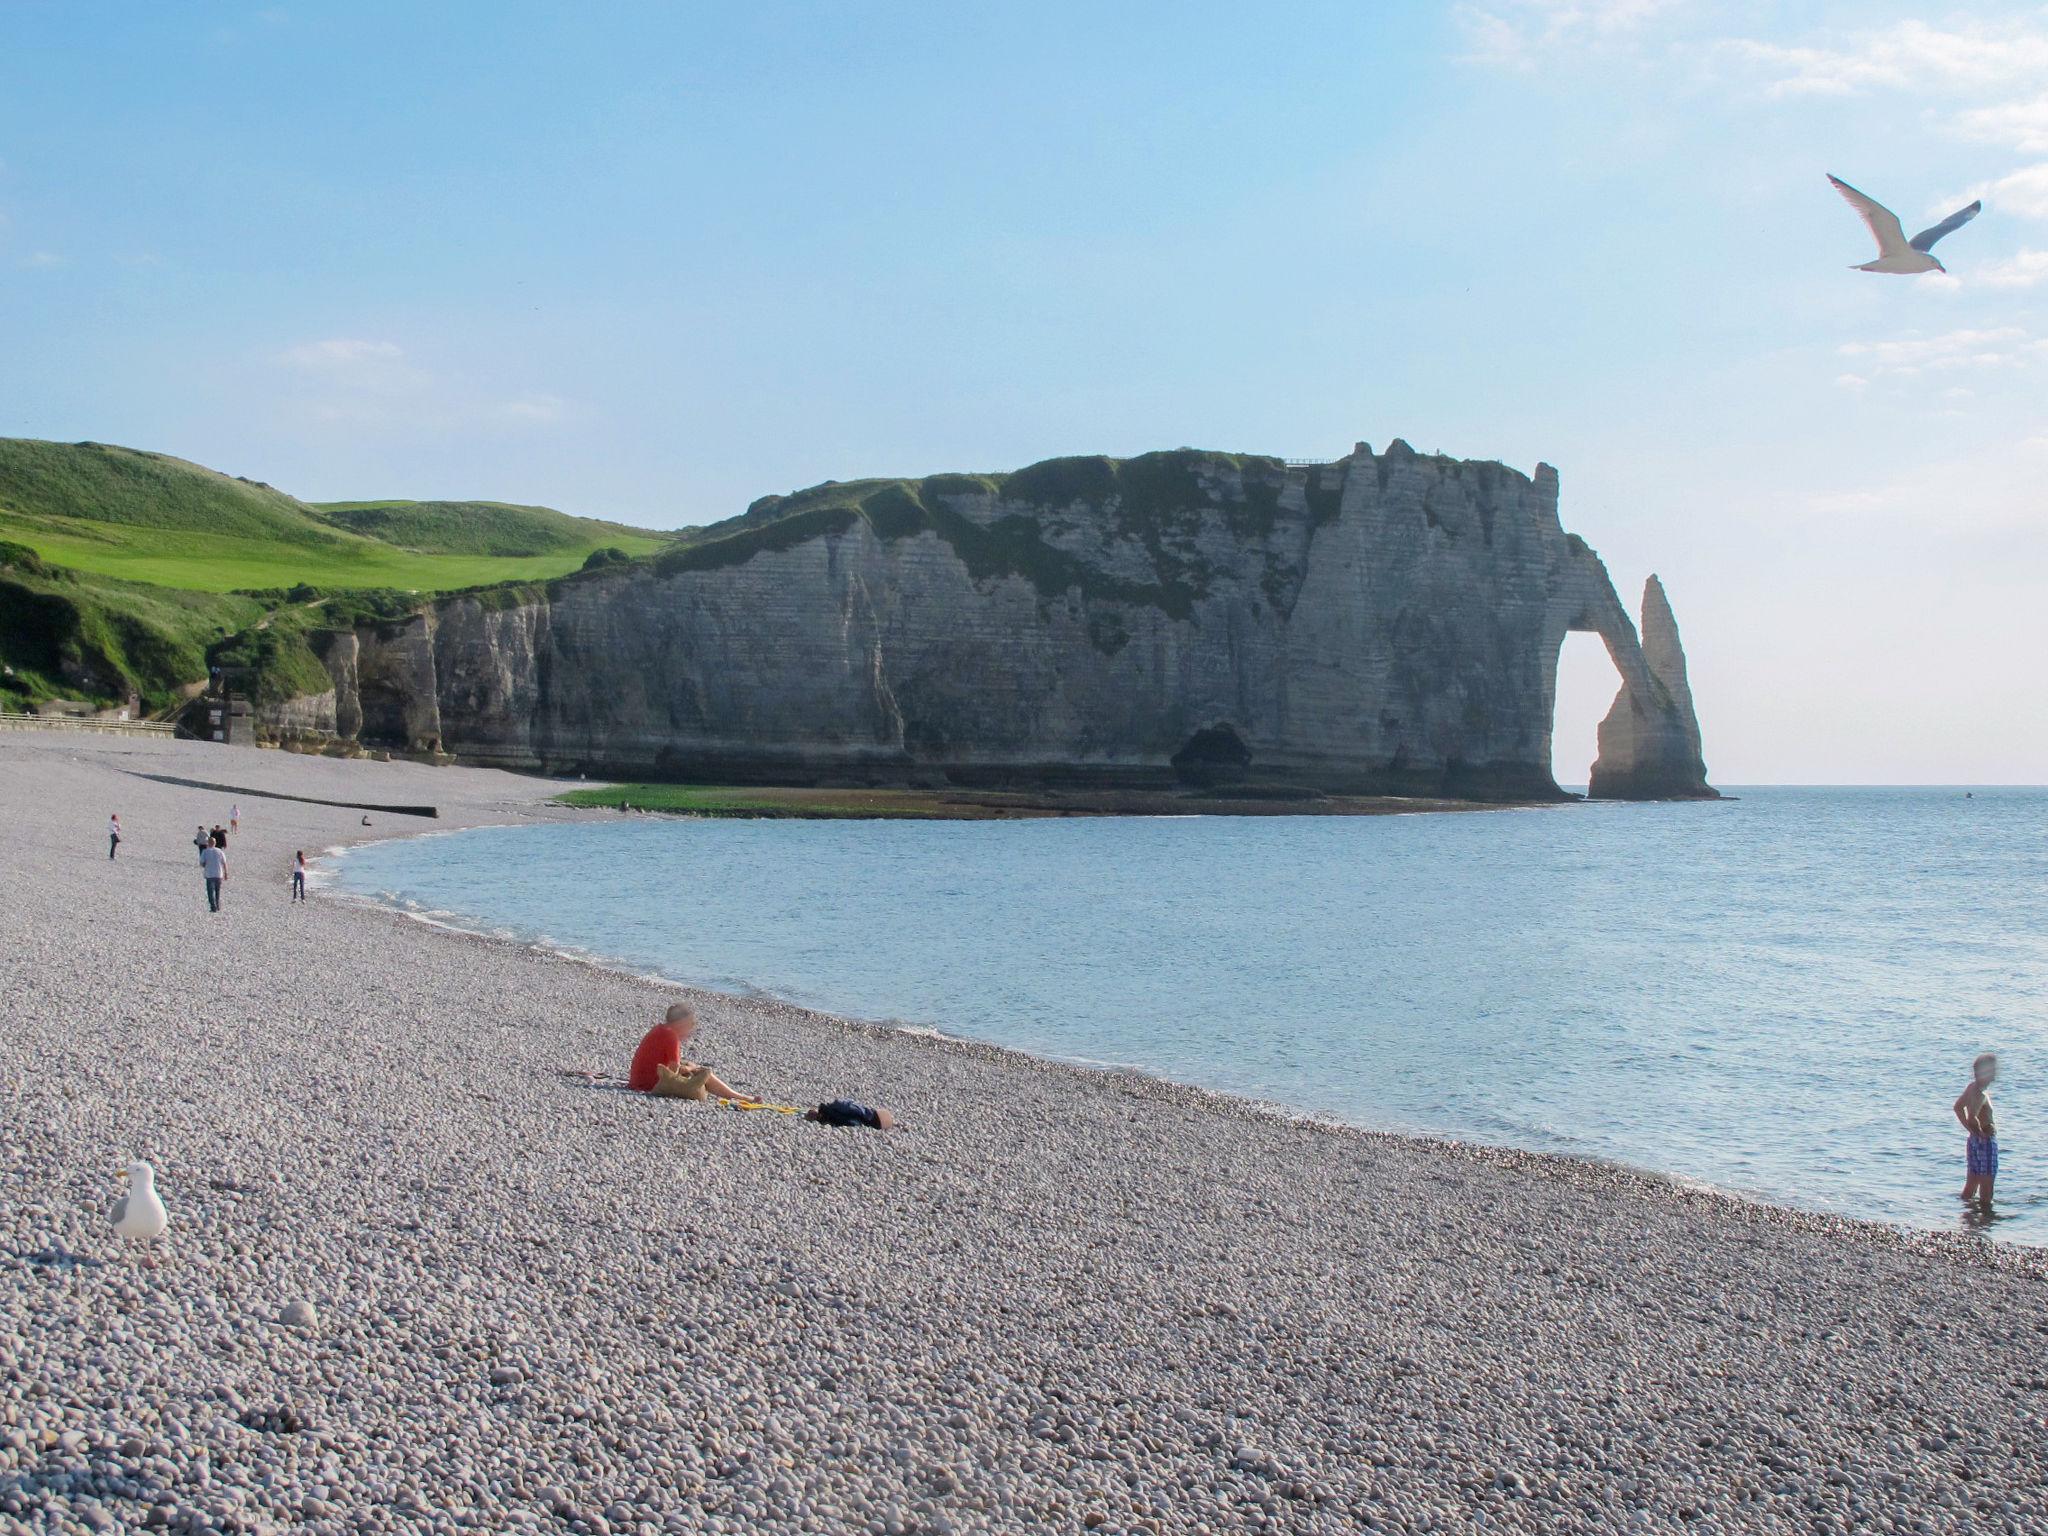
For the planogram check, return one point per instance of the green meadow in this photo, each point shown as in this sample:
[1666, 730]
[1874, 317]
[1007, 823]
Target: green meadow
[116, 565]
[198, 561]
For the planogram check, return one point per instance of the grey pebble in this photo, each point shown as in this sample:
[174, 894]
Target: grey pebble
[1053, 1297]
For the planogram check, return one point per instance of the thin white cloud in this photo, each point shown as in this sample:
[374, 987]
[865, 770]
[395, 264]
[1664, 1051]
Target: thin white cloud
[2020, 125]
[42, 259]
[1908, 56]
[372, 383]
[2023, 269]
[1982, 493]
[1832, 503]
[2024, 192]
[1909, 356]
[1517, 34]
[1854, 381]
[1952, 68]
[340, 353]
[535, 407]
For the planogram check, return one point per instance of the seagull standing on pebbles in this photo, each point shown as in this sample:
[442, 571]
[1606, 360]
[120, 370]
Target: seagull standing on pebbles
[1895, 253]
[139, 1215]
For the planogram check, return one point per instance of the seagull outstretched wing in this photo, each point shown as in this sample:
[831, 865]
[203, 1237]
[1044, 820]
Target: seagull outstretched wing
[1948, 226]
[1884, 224]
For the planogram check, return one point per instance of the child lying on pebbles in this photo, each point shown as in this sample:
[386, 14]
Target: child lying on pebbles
[846, 1112]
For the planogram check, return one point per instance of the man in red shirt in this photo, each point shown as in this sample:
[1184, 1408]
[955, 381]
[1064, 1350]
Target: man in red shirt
[662, 1047]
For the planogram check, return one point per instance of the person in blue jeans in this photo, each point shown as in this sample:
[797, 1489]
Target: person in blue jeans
[213, 863]
[1973, 1108]
[299, 875]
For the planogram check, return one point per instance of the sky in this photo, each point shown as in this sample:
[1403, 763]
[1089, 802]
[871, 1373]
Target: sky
[649, 262]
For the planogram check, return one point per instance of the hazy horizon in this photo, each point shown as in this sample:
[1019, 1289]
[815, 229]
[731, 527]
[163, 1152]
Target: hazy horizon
[650, 265]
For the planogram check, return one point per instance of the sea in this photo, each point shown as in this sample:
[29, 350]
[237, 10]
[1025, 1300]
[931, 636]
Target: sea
[1778, 994]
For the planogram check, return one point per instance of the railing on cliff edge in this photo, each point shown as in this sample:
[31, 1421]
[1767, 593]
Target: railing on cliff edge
[17, 722]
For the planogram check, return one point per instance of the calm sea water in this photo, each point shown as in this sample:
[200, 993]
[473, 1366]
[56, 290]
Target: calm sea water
[1779, 995]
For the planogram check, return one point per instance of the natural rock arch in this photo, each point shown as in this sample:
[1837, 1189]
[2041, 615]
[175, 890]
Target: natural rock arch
[1650, 738]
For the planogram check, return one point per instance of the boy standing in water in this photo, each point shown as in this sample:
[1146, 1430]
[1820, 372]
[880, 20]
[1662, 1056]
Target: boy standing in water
[1973, 1108]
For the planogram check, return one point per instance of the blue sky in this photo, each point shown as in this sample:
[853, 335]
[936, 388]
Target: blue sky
[649, 262]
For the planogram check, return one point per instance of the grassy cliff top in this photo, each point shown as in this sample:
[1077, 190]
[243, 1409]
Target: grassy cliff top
[153, 519]
[485, 528]
[1155, 500]
[99, 483]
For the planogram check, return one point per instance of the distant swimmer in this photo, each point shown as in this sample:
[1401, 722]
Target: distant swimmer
[1980, 1152]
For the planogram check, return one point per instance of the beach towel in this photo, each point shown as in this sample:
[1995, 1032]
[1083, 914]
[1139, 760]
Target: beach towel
[672, 1084]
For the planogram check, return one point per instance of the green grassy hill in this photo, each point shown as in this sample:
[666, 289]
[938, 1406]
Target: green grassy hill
[118, 567]
[150, 518]
[493, 528]
[64, 635]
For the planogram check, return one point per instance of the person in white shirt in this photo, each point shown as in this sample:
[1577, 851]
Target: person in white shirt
[213, 863]
[113, 833]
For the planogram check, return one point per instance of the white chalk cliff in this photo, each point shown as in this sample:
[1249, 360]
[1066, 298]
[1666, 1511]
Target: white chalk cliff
[1387, 622]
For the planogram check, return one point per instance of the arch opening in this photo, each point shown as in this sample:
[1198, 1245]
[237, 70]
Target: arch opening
[1213, 756]
[1587, 682]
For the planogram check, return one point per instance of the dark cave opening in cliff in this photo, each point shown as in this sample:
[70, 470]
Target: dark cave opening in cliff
[1586, 685]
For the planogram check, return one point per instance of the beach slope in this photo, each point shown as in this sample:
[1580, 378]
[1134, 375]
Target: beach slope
[1055, 1300]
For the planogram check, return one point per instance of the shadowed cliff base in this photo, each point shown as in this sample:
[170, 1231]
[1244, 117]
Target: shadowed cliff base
[820, 803]
[1181, 622]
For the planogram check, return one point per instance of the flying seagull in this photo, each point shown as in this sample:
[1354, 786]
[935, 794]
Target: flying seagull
[1895, 253]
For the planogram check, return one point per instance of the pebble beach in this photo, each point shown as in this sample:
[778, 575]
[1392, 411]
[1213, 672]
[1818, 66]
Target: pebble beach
[431, 1269]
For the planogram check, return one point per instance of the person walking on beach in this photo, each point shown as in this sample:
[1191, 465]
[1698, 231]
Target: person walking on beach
[113, 834]
[1973, 1109]
[213, 863]
[199, 839]
[235, 818]
[299, 875]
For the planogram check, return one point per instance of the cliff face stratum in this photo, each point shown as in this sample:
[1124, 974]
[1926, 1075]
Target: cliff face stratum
[1384, 623]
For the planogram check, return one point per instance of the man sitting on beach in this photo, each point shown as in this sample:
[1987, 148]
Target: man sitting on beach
[659, 1068]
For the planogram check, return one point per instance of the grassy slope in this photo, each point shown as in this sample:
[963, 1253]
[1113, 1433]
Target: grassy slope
[149, 518]
[492, 528]
[121, 562]
[88, 637]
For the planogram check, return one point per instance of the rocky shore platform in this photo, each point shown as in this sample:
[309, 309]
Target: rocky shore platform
[430, 1271]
